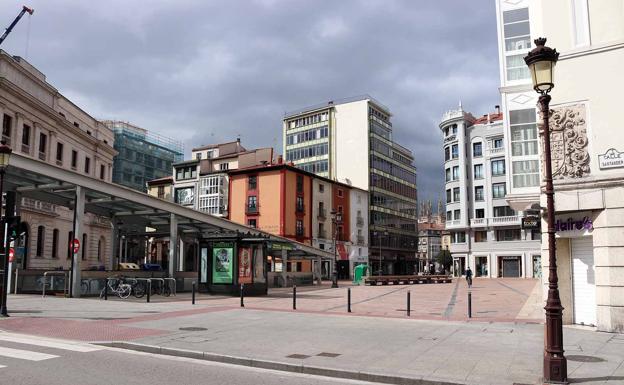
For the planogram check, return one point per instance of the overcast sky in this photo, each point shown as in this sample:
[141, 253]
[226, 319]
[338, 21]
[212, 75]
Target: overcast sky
[207, 71]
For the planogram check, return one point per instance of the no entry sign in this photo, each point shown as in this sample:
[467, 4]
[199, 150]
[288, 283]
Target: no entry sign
[75, 244]
[11, 254]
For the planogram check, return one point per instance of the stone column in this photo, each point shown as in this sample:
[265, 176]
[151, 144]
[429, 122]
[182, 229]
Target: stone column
[284, 268]
[173, 245]
[78, 218]
[113, 243]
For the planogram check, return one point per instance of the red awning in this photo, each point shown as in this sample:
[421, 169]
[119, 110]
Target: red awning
[342, 252]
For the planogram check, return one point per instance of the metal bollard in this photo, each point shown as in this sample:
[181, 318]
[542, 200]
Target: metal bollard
[349, 300]
[242, 295]
[193, 294]
[408, 303]
[294, 297]
[149, 289]
[469, 304]
[106, 290]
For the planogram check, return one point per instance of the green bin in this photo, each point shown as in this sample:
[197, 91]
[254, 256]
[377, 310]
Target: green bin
[359, 273]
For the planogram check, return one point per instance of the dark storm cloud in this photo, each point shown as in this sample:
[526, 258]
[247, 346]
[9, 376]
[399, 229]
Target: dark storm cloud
[206, 71]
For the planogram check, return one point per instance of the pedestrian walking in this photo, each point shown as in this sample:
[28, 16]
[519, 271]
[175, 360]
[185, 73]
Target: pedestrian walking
[469, 277]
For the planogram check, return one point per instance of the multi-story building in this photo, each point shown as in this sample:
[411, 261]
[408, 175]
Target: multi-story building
[430, 229]
[141, 155]
[202, 182]
[486, 233]
[587, 156]
[40, 123]
[351, 141]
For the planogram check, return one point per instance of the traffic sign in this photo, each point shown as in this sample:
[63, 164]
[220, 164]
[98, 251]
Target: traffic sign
[11, 254]
[75, 244]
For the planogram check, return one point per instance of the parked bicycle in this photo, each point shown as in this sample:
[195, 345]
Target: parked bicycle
[118, 287]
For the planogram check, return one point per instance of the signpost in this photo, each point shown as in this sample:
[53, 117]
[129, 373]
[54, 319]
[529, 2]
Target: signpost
[75, 244]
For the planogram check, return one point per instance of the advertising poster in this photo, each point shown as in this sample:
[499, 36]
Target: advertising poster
[259, 265]
[222, 262]
[203, 269]
[244, 264]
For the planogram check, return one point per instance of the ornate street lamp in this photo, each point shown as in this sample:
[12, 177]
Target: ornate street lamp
[5, 154]
[336, 219]
[541, 62]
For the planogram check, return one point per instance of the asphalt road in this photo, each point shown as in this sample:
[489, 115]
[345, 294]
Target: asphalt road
[24, 361]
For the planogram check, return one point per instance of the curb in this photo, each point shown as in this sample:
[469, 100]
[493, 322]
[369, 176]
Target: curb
[274, 365]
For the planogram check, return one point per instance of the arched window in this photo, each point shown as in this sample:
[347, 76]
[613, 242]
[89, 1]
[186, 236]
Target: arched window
[84, 245]
[55, 237]
[40, 240]
[100, 251]
[70, 238]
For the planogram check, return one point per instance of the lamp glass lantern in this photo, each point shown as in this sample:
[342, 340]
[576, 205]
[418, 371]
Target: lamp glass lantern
[5, 154]
[541, 62]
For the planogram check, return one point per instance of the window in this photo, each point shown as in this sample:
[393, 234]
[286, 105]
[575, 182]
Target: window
[252, 182]
[40, 240]
[525, 173]
[59, 152]
[252, 203]
[522, 124]
[536, 234]
[516, 31]
[498, 167]
[299, 227]
[55, 236]
[321, 188]
[478, 171]
[74, 159]
[83, 247]
[87, 165]
[479, 196]
[188, 172]
[498, 143]
[498, 190]
[43, 143]
[6, 126]
[480, 236]
[449, 198]
[454, 129]
[455, 172]
[161, 192]
[252, 223]
[448, 174]
[198, 156]
[102, 171]
[455, 151]
[458, 237]
[508, 235]
[76, 124]
[449, 215]
[479, 213]
[580, 23]
[340, 193]
[300, 184]
[456, 194]
[224, 166]
[503, 211]
[100, 248]
[447, 153]
[70, 238]
[299, 204]
[26, 135]
[477, 149]
[456, 215]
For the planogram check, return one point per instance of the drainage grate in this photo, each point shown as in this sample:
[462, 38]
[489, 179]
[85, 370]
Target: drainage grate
[298, 356]
[331, 355]
[193, 329]
[579, 358]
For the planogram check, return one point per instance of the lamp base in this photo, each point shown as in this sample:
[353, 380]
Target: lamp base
[555, 370]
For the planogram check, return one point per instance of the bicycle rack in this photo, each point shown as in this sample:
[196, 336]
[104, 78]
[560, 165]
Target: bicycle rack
[162, 281]
[174, 289]
[54, 272]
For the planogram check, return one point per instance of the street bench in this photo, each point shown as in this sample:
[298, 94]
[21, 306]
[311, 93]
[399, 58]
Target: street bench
[406, 279]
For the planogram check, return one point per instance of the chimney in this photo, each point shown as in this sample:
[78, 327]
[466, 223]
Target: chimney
[489, 121]
[280, 159]
[497, 107]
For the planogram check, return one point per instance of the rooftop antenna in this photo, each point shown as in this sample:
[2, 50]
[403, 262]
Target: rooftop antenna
[460, 105]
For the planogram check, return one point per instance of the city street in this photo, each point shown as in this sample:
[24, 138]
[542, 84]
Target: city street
[32, 361]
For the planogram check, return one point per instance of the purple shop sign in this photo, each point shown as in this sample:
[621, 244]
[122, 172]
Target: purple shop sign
[574, 224]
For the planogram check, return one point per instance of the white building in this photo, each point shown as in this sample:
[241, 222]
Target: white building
[351, 141]
[486, 233]
[588, 162]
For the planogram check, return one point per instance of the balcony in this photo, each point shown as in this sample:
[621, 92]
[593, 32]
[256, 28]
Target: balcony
[453, 223]
[505, 221]
[360, 221]
[478, 222]
[496, 151]
[251, 209]
[322, 213]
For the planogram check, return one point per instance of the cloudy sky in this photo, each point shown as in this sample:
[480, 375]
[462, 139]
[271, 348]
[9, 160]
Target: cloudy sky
[207, 71]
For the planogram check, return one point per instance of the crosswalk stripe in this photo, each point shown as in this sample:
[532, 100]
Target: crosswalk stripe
[50, 344]
[25, 354]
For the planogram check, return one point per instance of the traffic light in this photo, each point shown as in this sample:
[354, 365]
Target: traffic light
[13, 227]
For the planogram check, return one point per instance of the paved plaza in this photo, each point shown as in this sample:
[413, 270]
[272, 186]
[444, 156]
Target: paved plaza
[501, 344]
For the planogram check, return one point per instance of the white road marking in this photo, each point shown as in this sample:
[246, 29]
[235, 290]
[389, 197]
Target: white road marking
[2, 366]
[75, 347]
[24, 354]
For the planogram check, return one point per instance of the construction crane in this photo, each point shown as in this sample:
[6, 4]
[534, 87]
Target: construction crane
[17, 19]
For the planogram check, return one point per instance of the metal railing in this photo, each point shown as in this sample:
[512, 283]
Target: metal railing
[52, 273]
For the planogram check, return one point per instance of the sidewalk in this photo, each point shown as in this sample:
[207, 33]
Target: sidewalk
[395, 349]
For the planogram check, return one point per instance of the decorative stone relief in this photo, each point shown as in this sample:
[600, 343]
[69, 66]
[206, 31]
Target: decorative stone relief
[568, 140]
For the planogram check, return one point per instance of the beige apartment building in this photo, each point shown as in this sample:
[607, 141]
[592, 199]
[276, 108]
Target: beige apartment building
[587, 147]
[40, 123]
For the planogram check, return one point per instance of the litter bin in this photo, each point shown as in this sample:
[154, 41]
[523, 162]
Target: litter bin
[358, 273]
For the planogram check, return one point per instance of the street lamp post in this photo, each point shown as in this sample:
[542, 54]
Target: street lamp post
[336, 219]
[541, 62]
[5, 154]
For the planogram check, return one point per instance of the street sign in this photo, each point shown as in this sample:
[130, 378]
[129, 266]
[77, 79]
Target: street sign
[531, 222]
[75, 244]
[11, 254]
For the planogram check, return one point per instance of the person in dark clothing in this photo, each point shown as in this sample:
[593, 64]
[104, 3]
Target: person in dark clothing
[469, 277]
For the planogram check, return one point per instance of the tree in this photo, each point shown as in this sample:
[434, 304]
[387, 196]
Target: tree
[445, 259]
